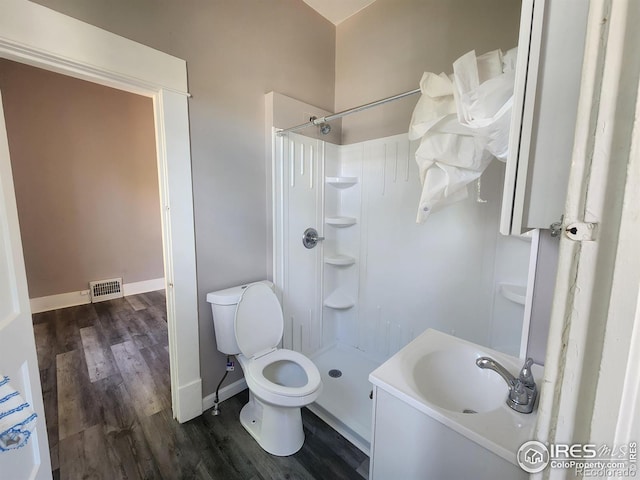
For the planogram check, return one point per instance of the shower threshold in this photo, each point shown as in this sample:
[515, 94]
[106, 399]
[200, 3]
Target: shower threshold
[344, 402]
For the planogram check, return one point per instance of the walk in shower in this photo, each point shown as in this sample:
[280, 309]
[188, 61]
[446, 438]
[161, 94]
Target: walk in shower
[375, 279]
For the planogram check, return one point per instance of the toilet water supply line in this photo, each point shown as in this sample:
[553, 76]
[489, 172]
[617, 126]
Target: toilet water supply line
[216, 401]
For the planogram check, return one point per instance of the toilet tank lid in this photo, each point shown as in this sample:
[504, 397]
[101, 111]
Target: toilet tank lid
[231, 296]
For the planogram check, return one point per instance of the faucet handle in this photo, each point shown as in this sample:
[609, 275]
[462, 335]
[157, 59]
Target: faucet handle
[526, 377]
[518, 394]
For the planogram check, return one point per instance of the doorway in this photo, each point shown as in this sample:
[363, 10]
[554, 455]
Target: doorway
[84, 169]
[37, 36]
[40, 37]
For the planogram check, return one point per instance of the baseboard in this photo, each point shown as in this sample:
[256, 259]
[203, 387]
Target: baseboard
[62, 300]
[188, 401]
[71, 299]
[145, 286]
[225, 393]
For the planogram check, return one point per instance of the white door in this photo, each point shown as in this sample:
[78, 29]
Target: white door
[18, 358]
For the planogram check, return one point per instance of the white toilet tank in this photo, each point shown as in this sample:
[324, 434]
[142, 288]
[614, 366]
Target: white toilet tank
[223, 306]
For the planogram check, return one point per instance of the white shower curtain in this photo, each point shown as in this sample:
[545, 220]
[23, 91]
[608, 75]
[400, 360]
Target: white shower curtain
[462, 121]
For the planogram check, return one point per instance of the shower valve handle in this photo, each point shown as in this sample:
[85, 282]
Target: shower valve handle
[310, 238]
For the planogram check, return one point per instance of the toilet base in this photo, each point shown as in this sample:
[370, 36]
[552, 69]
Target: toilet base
[278, 430]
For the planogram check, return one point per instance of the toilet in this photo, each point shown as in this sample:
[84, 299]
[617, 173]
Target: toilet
[248, 323]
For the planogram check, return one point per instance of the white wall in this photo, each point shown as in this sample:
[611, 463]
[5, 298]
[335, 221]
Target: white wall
[300, 164]
[407, 277]
[439, 274]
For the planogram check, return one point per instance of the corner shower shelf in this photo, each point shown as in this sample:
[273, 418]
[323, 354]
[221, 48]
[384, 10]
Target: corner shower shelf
[340, 222]
[341, 182]
[340, 260]
[515, 293]
[338, 301]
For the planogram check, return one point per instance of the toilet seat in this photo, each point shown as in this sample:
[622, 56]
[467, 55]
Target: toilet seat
[255, 369]
[258, 329]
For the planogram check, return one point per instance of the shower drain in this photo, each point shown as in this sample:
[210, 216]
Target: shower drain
[335, 373]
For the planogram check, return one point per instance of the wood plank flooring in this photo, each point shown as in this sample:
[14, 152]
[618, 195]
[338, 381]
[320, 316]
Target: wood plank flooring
[104, 369]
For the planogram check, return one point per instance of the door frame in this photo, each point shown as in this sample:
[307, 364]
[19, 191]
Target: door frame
[591, 387]
[40, 37]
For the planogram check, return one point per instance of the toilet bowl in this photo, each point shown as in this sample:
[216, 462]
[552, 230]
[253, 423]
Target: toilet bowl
[248, 323]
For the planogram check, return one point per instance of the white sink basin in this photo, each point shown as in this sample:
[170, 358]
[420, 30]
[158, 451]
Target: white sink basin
[437, 374]
[451, 380]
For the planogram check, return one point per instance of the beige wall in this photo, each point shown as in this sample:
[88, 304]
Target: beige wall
[385, 48]
[84, 166]
[236, 52]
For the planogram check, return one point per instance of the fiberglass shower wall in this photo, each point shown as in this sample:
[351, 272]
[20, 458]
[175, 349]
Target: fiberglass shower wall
[379, 279]
[299, 201]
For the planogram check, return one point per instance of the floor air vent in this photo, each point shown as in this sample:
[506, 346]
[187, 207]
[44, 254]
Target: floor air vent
[106, 290]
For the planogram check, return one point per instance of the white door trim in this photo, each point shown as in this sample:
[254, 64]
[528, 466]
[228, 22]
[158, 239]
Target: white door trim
[591, 383]
[38, 36]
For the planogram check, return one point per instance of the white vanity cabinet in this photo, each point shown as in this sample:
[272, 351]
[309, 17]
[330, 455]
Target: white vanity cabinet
[548, 72]
[409, 445]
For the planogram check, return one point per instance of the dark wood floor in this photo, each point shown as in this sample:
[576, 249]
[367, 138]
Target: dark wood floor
[105, 377]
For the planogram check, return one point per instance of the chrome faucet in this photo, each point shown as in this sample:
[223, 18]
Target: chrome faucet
[522, 390]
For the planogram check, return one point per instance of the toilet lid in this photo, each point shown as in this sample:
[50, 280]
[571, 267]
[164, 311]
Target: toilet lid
[259, 322]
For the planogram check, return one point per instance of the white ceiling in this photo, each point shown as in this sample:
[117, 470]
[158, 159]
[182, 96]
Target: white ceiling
[337, 11]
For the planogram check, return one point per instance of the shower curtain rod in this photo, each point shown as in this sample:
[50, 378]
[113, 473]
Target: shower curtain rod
[344, 113]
